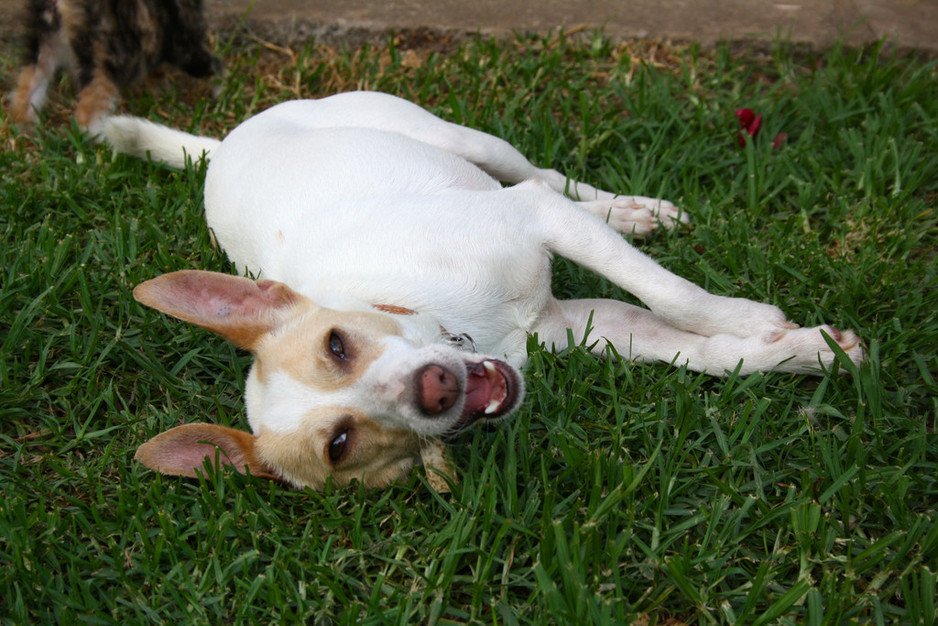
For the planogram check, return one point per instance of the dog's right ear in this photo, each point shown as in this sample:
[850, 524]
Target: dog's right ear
[182, 451]
[239, 309]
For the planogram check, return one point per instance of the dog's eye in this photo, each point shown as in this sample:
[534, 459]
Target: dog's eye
[336, 345]
[337, 447]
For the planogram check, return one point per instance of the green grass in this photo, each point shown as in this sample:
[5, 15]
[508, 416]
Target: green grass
[621, 491]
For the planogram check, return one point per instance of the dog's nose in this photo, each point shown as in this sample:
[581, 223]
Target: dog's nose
[437, 389]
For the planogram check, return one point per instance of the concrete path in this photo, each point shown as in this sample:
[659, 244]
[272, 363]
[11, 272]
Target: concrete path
[911, 24]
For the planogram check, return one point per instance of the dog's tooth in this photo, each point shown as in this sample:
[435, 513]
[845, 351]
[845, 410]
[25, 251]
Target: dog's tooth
[489, 366]
[492, 407]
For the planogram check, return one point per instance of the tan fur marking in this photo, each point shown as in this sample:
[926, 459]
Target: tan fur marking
[309, 361]
[377, 456]
[73, 17]
[72, 14]
[149, 27]
[96, 99]
[22, 109]
[394, 310]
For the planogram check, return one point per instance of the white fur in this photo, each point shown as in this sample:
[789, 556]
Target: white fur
[283, 404]
[140, 138]
[370, 197]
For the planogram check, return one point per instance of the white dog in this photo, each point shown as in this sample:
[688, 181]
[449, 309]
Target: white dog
[391, 260]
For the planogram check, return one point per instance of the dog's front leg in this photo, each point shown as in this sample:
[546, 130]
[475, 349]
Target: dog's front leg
[708, 332]
[637, 215]
[680, 304]
[631, 215]
[588, 241]
[639, 334]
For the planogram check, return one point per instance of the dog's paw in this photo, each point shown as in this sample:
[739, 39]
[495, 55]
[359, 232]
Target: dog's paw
[636, 215]
[805, 350]
[757, 318]
[710, 315]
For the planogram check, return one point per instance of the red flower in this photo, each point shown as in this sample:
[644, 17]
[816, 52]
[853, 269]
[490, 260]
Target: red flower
[749, 122]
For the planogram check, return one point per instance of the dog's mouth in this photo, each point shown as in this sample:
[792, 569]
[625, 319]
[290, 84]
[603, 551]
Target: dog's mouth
[493, 390]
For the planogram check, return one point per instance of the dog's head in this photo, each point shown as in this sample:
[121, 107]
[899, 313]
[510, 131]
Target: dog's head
[341, 394]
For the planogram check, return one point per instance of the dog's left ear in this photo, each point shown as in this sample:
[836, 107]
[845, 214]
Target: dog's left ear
[239, 309]
[182, 451]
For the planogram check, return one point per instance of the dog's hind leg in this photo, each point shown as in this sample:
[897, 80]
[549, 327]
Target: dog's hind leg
[637, 215]
[495, 156]
[589, 242]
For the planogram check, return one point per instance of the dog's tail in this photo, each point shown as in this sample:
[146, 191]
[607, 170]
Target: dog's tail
[139, 137]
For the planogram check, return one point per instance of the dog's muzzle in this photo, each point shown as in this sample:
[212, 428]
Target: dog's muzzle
[492, 390]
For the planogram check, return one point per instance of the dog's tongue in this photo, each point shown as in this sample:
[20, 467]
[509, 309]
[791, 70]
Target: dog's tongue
[486, 392]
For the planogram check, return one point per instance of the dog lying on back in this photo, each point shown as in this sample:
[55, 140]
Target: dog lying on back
[107, 45]
[400, 283]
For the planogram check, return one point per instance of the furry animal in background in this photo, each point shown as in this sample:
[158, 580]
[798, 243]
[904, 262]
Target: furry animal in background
[106, 45]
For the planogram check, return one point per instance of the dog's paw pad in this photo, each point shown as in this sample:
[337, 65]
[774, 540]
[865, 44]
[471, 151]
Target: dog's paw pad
[846, 339]
[810, 346]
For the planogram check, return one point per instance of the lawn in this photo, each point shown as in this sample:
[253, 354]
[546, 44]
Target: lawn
[621, 492]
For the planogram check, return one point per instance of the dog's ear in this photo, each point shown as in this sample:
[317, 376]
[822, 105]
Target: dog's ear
[239, 309]
[182, 451]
